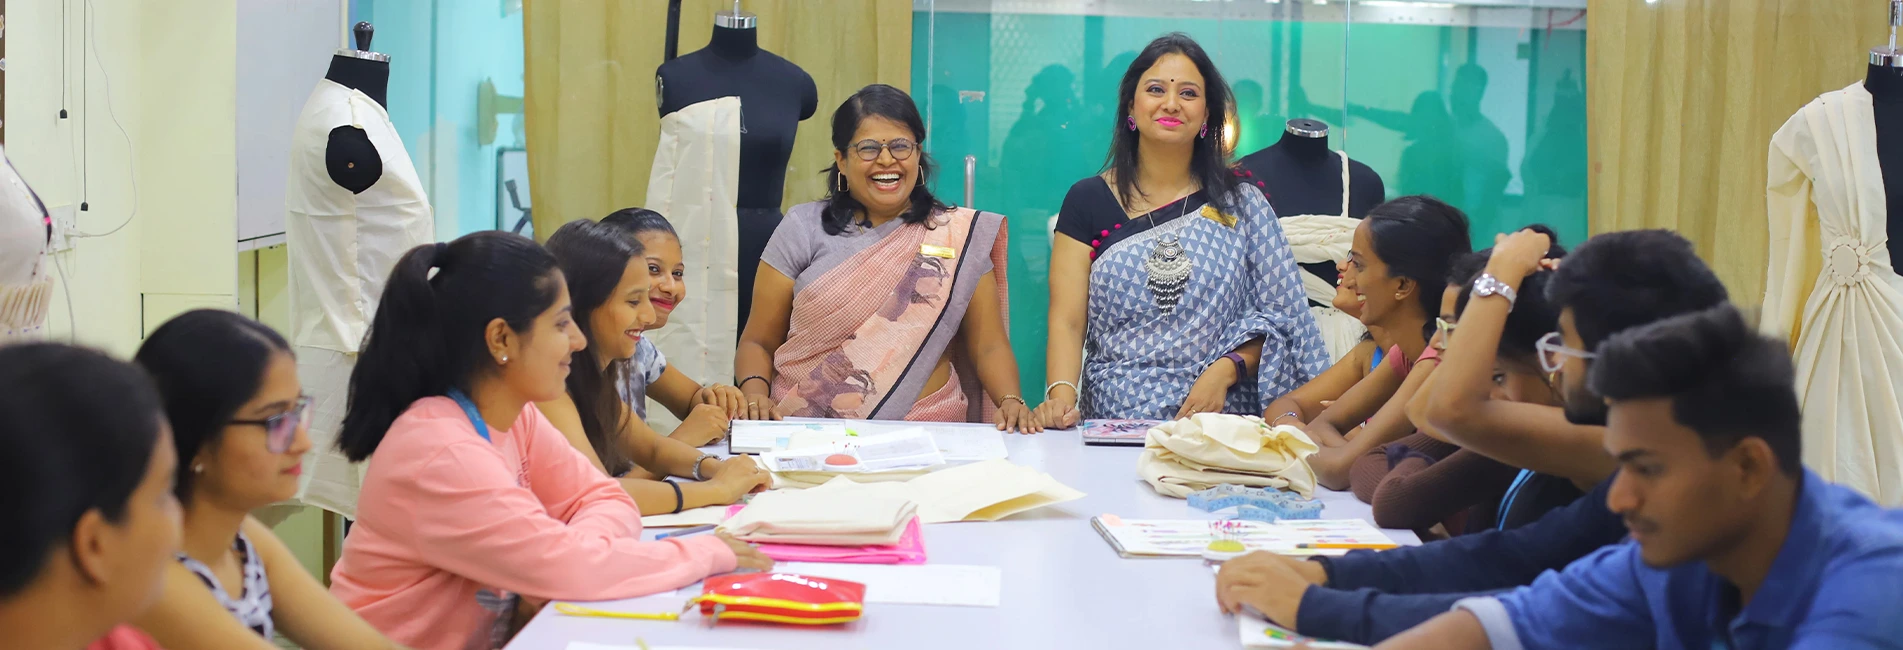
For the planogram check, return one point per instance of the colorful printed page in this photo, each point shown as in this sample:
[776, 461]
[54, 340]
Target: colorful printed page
[1189, 537]
[1117, 432]
[1259, 633]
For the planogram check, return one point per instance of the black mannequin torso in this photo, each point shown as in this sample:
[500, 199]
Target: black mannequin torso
[1301, 175]
[351, 160]
[775, 96]
[1886, 89]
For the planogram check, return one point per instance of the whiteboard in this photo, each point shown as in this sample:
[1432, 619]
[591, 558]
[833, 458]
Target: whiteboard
[284, 48]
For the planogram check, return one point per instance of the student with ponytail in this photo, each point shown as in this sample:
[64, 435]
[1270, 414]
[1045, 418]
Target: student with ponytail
[475, 503]
[611, 299]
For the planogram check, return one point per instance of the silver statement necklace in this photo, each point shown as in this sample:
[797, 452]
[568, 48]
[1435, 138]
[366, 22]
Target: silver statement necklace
[1169, 267]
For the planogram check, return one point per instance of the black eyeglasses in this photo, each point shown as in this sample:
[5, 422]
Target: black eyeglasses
[868, 150]
[281, 429]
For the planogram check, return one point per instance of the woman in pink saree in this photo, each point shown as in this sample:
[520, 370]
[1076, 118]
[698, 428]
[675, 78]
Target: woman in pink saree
[880, 302]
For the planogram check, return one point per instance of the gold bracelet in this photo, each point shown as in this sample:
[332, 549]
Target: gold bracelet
[1008, 398]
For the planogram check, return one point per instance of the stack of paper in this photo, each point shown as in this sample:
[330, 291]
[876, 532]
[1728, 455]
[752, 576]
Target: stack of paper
[829, 515]
[959, 443]
[762, 436]
[904, 450]
[1189, 537]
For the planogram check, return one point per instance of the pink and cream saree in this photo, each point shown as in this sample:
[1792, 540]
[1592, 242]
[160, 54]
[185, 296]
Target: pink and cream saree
[875, 309]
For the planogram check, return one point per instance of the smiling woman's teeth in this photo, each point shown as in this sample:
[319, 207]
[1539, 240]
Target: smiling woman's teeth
[886, 181]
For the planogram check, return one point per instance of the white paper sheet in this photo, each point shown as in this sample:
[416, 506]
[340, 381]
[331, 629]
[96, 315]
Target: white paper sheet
[580, 645]
[762, 436]
[922, 584]
[1256, 633]
[696, 517]
[969, 444]
[905, 449]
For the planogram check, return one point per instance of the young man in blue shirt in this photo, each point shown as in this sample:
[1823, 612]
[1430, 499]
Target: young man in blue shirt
[1735, 545]
[1610, 283]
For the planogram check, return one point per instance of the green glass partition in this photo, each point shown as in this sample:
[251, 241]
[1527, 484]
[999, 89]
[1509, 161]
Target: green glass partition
[1478, 102]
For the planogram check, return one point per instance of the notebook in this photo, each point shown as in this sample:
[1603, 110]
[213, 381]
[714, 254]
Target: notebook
[1117, 433]
[1150, 538]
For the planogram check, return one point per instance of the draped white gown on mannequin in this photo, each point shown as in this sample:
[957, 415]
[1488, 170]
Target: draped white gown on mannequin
[1833, 289]
[341, 249]
[696, 184]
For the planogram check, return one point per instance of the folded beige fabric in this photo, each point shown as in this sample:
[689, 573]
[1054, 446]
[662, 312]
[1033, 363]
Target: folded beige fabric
[838, 513]
[1207, 450]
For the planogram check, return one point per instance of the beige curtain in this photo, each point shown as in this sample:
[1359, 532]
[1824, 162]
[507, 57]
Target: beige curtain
[1683, 97]
[590, 104]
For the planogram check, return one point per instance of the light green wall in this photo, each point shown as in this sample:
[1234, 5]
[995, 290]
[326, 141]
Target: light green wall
[1033, 97]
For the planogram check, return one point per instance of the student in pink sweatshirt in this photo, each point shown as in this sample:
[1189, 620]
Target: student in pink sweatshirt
[473, 503]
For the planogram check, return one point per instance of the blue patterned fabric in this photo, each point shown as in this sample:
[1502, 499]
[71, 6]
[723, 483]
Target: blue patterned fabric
[1139, 363]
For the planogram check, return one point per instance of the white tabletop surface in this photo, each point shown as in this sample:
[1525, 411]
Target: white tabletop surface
[1063, 586]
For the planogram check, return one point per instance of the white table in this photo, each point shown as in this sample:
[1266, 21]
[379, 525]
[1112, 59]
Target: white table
[1063, 586]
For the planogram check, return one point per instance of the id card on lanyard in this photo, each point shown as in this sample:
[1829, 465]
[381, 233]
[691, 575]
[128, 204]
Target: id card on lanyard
[469, 409]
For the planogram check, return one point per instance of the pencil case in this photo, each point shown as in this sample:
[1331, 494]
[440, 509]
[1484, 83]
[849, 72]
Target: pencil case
[781, 598]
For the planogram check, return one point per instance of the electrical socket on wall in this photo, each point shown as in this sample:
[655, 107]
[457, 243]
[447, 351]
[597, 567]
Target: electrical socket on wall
[64, 221]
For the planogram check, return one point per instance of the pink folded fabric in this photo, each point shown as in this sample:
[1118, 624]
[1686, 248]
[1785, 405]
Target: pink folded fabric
[909, 550]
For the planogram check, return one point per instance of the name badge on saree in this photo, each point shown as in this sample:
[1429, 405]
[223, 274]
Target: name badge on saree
[929, 250]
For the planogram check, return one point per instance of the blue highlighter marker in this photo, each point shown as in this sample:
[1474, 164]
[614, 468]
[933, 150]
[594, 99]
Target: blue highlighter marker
[684, 532]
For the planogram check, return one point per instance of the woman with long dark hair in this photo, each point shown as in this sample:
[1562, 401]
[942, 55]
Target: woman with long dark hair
[698, 406]
[474, 502]
[1396, 270]
[610, 293]
[880, 302]
[240, 423]
[1173, 291]
[86, 464]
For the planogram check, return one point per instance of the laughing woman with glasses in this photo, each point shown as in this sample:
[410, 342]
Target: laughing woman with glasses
[880, 302]
[238, 415]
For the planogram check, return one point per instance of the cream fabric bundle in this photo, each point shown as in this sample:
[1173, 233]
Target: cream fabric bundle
[833, 514]
[1207, 450]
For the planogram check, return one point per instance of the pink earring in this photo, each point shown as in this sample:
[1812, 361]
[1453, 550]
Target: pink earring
[1133, 123]
[1204, 132]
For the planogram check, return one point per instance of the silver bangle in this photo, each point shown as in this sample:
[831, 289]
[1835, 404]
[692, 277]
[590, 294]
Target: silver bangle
[697, 463]
[1055, 384]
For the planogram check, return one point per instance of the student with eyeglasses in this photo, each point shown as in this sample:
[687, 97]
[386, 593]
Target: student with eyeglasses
[238, 422]
[880, 302]
[239, 417]
[1611, 283]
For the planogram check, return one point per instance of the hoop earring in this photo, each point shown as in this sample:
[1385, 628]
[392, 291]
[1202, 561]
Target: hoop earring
[1133, 122]
[840, 177]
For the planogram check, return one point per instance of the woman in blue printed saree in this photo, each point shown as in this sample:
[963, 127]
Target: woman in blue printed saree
[1173, 291]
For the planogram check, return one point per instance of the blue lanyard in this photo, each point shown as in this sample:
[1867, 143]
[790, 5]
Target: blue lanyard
[1505, 504]
[469, 409]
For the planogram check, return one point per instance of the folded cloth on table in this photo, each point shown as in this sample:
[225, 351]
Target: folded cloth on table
[1207, 450]
[909, 550]
[833, 514]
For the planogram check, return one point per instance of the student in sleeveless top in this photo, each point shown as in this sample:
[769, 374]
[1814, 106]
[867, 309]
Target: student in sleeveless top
[238, 417]
[86, 467]
[1397, 269]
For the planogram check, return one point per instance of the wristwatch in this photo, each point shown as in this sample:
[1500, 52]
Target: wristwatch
[1487, 285]
[702, 461]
